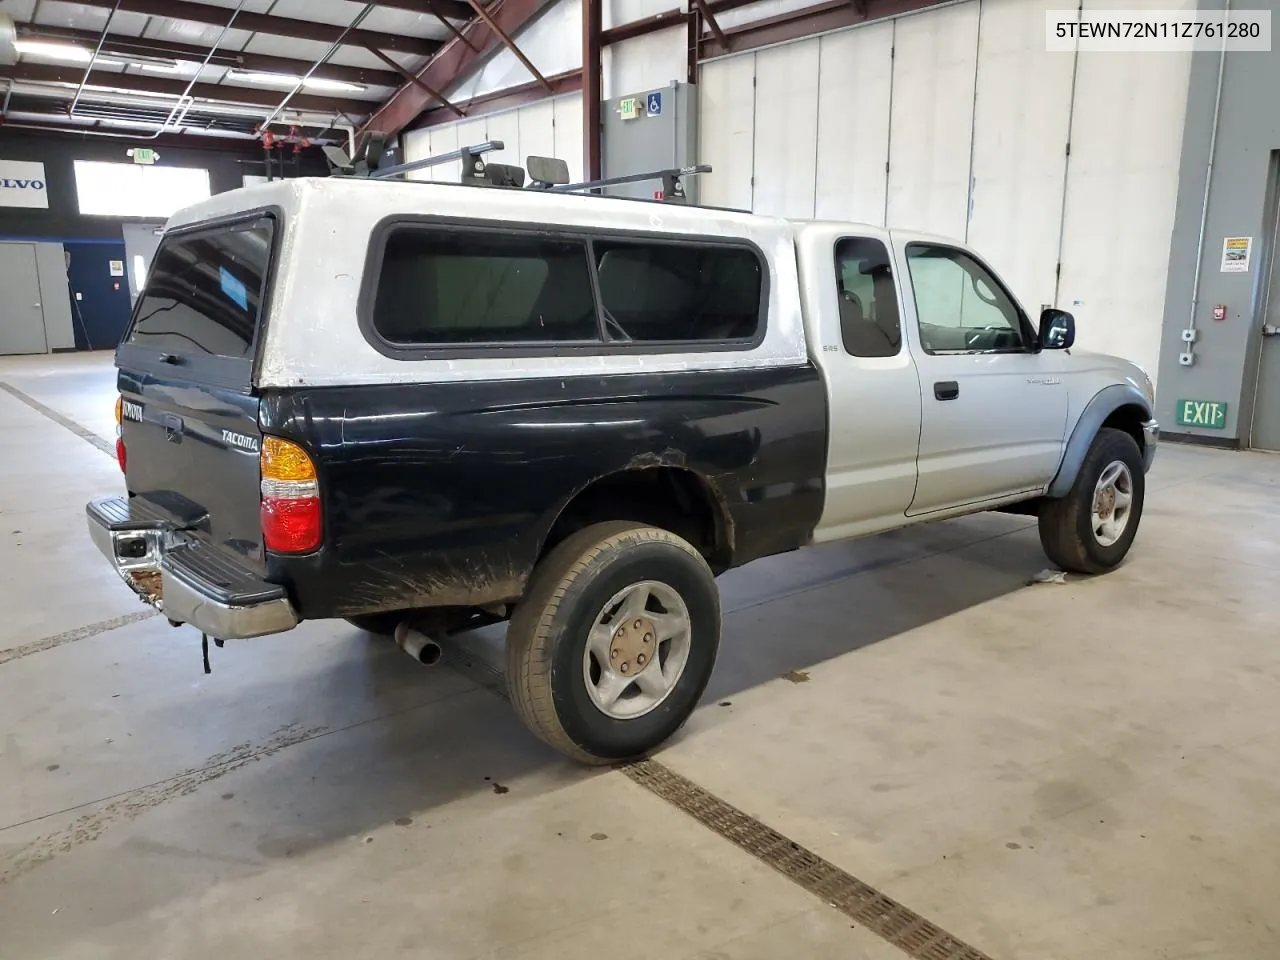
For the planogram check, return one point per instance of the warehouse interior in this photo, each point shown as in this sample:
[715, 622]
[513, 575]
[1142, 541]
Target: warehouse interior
[928, 743]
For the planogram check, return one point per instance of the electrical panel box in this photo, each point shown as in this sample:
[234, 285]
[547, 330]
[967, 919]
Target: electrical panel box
[653, 129]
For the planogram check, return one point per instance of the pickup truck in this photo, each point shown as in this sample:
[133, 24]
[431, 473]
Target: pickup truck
[420, 407]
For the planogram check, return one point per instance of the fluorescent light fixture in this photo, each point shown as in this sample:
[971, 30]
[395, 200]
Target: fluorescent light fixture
[290, 80]
[52, 50]
[72, 53]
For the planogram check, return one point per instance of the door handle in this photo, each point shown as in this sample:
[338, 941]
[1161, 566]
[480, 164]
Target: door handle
[946, 390]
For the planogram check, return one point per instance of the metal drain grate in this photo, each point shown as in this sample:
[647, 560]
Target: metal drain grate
[860, 902]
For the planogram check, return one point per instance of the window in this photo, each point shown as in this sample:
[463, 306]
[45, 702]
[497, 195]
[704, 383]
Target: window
[446, 287]
[204, 292]
[135, 190]
[960, 305]
[678, 292]
[869, 323]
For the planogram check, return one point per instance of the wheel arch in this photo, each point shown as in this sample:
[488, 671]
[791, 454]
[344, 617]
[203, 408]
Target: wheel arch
[1119, 405]
[666, 495]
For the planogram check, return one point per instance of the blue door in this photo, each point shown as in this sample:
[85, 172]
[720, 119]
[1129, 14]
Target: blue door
[100, 302]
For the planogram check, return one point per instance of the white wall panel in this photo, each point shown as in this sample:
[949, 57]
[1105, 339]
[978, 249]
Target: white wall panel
[642, 64]
[933, 81]
[546, 128]
[445, 139]
[416, 145]
[568, 134]
[786, 129]
[856, 70]
[537, 130]
[1122, 182]
[726, 131]
[1022, 117]
[617, 12]
[505, 127]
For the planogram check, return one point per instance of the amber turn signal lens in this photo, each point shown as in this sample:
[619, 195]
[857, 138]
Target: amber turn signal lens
[119, 410]
[282, 460]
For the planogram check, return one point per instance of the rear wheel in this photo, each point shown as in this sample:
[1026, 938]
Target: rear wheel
[1091, 529]
[380, 623]
[614, 641]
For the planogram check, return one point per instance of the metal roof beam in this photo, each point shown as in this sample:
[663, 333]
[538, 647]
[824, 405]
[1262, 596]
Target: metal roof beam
[123, 46]
[418, 81]
[453, 9]
[510, 44]
[806, 22]
[450, 64]
[269, 23]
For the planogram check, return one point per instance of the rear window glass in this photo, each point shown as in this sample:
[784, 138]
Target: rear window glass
[447, 287]
[204, 293]
[678, 292]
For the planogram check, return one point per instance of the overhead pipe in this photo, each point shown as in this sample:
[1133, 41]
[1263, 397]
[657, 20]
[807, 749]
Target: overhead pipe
[333, 47]
[102, 38]
[1208, 176]
[185, 100]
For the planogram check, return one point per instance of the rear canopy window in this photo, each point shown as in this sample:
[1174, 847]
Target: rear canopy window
[456, 287]
[205, 290]
[678, 292]
[443, 287]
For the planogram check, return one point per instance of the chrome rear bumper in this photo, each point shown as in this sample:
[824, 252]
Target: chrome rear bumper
[186, 580]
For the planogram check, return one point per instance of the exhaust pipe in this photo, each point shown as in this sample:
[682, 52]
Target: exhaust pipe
[417, 644]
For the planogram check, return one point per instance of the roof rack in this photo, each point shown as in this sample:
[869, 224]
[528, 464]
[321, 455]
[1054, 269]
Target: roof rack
[672, 187]
[546, 173]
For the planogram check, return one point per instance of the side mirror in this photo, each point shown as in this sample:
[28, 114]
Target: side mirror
[1057, 330]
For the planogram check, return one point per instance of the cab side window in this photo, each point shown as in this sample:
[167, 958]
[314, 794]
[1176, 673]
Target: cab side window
[869, 322]
[961, 307]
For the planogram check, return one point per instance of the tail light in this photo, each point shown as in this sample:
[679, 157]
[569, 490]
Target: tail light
[291, 515]
[120, 453]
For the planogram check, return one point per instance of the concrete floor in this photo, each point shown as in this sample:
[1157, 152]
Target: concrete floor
[1084, 770]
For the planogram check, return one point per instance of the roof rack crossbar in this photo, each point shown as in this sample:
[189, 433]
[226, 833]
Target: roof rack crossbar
[672, 188]
[462, 153]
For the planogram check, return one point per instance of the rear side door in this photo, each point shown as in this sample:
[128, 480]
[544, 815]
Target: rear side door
[190, 414]
[873, 391]
[994, 405]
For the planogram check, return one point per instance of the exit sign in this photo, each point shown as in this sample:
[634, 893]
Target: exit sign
[143, 155]
[1202, 413]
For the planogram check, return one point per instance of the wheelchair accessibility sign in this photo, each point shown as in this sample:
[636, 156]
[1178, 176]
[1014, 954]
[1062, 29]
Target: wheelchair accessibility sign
[653, 105]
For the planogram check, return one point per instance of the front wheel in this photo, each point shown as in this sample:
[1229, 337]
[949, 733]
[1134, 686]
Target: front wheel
[614, 641]
[1091, 529]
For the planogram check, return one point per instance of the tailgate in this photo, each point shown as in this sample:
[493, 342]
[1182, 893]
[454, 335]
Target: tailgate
[189, 417]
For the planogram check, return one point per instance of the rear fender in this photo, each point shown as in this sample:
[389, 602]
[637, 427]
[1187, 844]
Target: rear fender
[1106, 402]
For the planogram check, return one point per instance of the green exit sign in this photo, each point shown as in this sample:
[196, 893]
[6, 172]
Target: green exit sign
[1202, 413]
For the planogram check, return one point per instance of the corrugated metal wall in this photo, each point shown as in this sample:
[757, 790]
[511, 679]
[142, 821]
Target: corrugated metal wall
[548, 128]
[956, 121]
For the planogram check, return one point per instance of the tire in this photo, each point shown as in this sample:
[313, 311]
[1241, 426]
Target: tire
[554, 674]
[383, 624]
[1067, 529]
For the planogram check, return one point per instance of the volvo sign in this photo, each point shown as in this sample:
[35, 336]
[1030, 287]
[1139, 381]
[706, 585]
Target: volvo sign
[22, 184]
